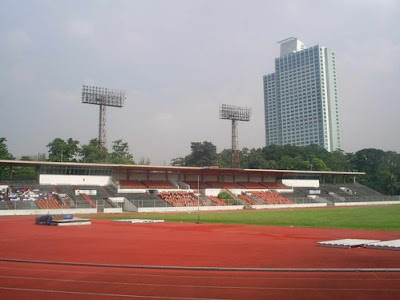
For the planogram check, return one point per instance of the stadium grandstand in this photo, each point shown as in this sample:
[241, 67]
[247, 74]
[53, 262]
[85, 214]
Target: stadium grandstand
[114, 188]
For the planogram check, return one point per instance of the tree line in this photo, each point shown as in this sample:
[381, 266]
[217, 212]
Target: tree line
[70, 150]
[382, 168]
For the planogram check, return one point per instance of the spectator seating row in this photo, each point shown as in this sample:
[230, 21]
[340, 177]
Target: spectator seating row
[145, 184]
[49, 204]
[224, 185]
[180, 198]
[216, 201]
[248, 199]
[195, 184]
[159, 184]
[88, 200]
[272, 198]
[131, 184]
[252, 185]
[274, 185]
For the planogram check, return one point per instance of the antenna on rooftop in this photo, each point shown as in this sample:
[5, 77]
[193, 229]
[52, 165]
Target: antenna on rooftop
[234, 113]
[103, 97]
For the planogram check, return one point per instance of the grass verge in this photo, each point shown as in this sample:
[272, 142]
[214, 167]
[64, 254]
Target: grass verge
[370, 218]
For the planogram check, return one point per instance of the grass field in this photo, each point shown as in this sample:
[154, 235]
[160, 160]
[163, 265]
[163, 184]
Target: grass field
[370, 218]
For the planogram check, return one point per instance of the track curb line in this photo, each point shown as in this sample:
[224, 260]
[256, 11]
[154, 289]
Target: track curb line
[194, 268]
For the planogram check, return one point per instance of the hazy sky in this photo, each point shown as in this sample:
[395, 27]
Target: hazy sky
[178, 60]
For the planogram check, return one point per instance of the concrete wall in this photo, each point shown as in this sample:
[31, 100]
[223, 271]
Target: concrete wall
[74, 180]
[366, 203]
[117, 199]
[212, 192]
[301, 182]
[25, 212]
[269, 179]
[272, 206]
[138, 191]
[112, 210]
[189, 209]
[128, 206]
[210, 178]
[241, 178]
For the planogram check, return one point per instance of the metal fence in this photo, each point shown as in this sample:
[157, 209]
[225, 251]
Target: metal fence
[31, 205]
[307, 200]
[162, 203]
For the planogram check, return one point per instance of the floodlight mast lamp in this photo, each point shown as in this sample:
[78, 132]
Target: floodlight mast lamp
[103, 97]
[234, 113]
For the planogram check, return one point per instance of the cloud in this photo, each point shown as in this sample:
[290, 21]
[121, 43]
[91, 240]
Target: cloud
[79, 29]
[17, 43]
[180, 61]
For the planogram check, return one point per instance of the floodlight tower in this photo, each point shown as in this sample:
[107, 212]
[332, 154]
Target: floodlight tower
[103, 97]
[234, 113]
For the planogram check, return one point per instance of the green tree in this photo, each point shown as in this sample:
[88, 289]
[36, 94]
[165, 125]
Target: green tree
[178, 162]
[339, 161]
[225, 158]
[60, 150]
[392, 184]
[120, 153]
[36, 157]
[368, 160]
[203, 154]
[319, 165]
[256, 160]
[91, 153]
[6, 155]
[286, 163]
[25, 172]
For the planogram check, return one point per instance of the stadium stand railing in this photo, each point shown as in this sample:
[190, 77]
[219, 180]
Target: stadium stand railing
[274, 185]
[251, 185]
[88, 200]
[195, 184]
[158, 184]
[144, 199]
[224, 185]
[70, 191]
[131, 184]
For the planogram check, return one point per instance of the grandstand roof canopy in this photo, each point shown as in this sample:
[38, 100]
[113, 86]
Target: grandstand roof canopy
[191, 170]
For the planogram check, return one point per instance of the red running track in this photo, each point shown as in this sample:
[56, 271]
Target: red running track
[198, 245]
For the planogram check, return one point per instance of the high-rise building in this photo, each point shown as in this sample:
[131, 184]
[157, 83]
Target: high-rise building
[300, 97]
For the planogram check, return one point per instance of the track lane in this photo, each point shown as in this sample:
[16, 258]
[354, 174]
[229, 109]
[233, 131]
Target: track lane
[188, 245]
[83, 282]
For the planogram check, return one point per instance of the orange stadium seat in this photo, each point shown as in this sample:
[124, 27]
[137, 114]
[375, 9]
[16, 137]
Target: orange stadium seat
[272, 198]
[158, 184]
[180, 198]
[131, 184]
